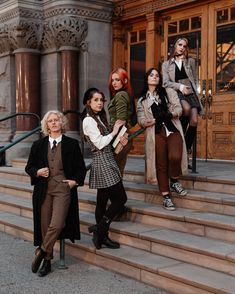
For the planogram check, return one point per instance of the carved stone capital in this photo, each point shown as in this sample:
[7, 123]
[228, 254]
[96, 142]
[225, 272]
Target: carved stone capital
[64, 31]
[5, 43]
[25, 34]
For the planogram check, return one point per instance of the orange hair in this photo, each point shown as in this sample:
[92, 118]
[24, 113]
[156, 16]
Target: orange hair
[126, 84]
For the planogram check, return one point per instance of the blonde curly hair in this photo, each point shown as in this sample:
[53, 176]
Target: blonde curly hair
[60, 115]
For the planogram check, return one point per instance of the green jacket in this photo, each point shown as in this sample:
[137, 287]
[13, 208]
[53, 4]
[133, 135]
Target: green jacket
[120, 108]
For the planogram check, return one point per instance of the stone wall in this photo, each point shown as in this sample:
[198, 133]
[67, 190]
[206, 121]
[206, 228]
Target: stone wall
[46, 29]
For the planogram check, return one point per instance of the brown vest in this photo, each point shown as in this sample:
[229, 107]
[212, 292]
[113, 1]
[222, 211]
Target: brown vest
[55, 164]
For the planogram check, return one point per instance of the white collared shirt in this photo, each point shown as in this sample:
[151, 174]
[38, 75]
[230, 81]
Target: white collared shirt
[179, 63]
[152, 98]
[91, 130]
[58, 140]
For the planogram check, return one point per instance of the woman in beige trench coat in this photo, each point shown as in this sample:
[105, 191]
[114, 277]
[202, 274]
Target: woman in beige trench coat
[158, 110]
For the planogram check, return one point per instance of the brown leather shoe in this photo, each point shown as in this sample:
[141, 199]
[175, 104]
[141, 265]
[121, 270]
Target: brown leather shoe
[39, 255]
[45, 268]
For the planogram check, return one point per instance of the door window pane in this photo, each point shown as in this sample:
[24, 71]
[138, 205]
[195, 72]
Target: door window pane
[184, 25]
[142, 35]
[233, 13]
[222, 16]
[137, 67]
[172, 27]
[133, 37]
[225, 59]
[196, 22]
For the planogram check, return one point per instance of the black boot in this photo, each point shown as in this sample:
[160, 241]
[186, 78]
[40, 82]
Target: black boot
[100, 231]
[184, 122]
[95, 239]
[45, 268]
[190, 136]
[110, 243]
[39, 255]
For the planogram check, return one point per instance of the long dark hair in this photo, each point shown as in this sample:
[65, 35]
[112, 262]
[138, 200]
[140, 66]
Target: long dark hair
[159, 88]
[87, 110]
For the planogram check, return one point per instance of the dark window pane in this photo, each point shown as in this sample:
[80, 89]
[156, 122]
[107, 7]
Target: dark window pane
[184, 25]
[222, 16]
[142, 36]
[225, 59]
[137, 70]
[196, 22]
[133, 37]
[172, 28]
[233, 13]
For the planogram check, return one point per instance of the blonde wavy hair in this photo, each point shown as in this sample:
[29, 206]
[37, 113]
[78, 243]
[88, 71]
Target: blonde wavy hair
[62, 118]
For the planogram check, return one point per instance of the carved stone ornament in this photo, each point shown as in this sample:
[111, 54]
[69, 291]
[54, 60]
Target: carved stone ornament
[64, 31]
[84, 46]
[4, 44]
[25, 34]
[118, 11]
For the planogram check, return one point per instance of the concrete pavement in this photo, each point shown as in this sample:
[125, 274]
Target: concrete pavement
[80, 278]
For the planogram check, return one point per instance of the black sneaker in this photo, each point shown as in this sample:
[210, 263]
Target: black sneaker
[168, 204]
[177, 187]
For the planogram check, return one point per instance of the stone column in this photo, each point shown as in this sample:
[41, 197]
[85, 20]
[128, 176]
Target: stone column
[27, 71]
[69, 83]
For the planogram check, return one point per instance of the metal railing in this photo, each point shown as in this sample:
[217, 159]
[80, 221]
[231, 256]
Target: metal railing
[26, 135]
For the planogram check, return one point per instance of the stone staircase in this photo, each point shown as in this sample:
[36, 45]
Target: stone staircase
[190, 250]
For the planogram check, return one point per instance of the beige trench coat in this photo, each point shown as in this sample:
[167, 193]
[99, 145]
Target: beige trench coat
[168, 76]
[144, 112]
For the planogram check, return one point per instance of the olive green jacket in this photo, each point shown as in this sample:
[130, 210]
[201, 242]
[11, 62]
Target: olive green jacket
[120, 108]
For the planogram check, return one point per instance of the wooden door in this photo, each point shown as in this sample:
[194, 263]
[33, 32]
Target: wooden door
[210, 29]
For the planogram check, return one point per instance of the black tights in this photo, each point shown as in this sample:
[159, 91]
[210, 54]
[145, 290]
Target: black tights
[117, 196]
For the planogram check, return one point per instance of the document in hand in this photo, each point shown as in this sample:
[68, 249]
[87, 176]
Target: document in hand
[120, 134]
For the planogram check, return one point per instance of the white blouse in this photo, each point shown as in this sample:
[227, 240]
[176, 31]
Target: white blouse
[91, 130]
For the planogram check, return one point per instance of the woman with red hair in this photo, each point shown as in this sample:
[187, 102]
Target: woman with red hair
[121, 107]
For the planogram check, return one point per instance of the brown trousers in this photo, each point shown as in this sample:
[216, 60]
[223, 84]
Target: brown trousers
[53, 214]
[168, 158]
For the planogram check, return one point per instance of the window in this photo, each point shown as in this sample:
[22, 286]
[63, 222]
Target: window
[137, 67]
[137, 60]
[225, 59]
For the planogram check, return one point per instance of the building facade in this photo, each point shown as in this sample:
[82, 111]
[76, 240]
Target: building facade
[145, 30]
[51, 51]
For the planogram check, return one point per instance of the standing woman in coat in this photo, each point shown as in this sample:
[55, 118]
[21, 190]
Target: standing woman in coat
[179, 73]
[121, 107]
[166, 156]
[56, 167]
[104, 174]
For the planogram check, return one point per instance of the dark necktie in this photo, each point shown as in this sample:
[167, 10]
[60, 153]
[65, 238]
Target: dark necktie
[54, 145]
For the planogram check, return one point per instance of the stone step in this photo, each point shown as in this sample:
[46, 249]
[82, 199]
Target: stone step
[214, 202]
[19, 162]
[191, 181]
[197, 250]
[214, 225]
[160, 271]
